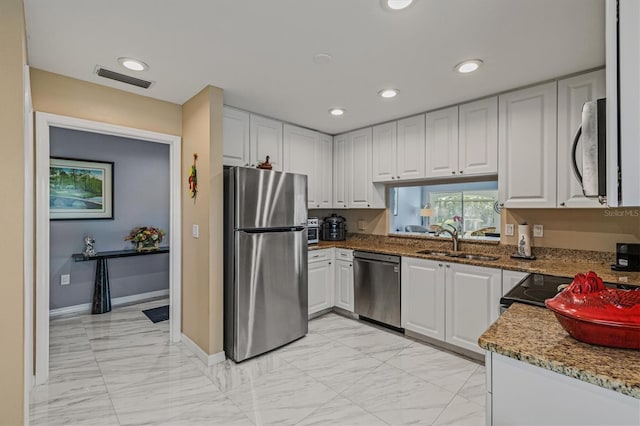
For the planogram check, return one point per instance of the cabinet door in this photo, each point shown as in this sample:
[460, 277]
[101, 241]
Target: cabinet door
[324, 171]
[359, 172]
[266, 140]
[442, 142]
[472, 303]
[344, 285]
[300, 156]
[478, 138]
[572, 94]
[527, 145]
[423, 297]
[320, 286]
[384, 152]
[340, 175]
[235, 137]
[410, 162]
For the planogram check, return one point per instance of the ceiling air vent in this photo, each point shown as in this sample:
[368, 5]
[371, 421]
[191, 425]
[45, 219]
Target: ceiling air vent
[123, 78]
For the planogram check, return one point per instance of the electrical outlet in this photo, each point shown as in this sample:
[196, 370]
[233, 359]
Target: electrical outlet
[65, 279]
[538, 231]
[362, 225]
[195, 231]
[508, 230]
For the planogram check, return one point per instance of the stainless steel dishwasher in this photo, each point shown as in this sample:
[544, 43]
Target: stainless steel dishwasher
[377, 287]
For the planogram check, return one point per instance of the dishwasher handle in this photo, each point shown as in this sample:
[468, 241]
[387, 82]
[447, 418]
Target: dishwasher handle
[378, 262]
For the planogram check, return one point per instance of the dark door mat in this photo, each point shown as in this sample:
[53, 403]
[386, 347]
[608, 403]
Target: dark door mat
[157, 314]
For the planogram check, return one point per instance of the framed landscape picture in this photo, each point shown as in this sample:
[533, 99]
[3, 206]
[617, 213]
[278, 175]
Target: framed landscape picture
[80, 189]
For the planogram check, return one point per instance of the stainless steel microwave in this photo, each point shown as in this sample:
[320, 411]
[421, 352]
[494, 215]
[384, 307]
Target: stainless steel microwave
[313, 230]
[592, 133]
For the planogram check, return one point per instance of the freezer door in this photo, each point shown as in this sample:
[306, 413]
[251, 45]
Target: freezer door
[269, 199]
[271, 291]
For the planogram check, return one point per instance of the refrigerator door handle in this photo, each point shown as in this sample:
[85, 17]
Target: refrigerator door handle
[265, 230]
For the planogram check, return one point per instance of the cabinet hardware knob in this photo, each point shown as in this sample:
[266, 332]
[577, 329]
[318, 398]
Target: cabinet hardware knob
[448, 266]
[440, 265]
[368, 205]
[318, 205]
[345, 205]
[329, 263]
[398, 177]
[460, 171]
[501, 204]
[246, 164]
[350, 265]
[562, 204]
[453, 172]
[393, 177]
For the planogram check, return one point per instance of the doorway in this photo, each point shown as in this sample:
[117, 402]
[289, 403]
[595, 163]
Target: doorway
[44, 123]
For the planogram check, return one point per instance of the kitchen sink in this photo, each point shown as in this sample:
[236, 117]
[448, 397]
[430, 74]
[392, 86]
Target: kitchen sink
[459, 255]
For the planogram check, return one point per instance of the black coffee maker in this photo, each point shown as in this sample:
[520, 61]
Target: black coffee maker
[334, 228]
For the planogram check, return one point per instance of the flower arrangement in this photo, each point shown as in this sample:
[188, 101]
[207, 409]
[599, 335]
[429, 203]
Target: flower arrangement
[145, 237]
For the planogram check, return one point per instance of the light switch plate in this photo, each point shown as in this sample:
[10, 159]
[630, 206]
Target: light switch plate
[538, 231]
[65, 279]
[362, 225]
[195, 231]
[508, 230]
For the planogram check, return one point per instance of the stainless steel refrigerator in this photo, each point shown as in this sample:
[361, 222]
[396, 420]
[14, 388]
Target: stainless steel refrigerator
[265, 267]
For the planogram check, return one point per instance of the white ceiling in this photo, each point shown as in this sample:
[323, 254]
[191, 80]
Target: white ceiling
[260, 51]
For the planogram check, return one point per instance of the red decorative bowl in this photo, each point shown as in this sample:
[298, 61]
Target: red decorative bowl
[593, 313]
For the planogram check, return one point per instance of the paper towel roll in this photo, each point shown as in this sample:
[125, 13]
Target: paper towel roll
[524, 240]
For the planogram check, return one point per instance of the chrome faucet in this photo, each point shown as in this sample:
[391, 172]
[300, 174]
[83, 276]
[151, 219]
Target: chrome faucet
[453, 232]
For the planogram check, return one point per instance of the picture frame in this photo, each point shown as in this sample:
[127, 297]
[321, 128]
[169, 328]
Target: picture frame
[80, 189]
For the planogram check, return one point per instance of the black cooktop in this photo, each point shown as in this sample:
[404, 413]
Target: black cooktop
[534, 289]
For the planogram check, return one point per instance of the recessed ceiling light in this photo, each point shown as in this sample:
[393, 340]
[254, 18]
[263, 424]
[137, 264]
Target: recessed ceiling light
[337, 112]
[322, 58]
[396, 4]
[468, 66]
[388, 93]
[133, 64]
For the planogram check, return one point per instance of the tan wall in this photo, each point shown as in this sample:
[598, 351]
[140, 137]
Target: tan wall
[202, 257]
[68, 96]
[376, 221]
[584, 229]
[13, 59]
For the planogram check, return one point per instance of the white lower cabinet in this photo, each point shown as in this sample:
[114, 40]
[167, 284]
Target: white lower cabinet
[472, 303]
[450, 302]
[422, 309]
[523, 394]
[344, 284]
[321, 279]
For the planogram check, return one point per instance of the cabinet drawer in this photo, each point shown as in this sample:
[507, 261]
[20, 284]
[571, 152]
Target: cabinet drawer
[344, 254]
[319, 255]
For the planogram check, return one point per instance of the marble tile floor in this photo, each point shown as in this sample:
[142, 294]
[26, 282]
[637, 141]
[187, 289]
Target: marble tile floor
[120, 369]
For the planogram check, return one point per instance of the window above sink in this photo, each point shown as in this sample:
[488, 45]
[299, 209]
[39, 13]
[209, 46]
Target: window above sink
[470, 207]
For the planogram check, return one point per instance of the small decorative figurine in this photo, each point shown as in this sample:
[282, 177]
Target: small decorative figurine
[89, 250]
[266, 165]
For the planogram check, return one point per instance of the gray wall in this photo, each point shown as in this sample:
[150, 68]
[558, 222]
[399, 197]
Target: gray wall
[141, 197]
[409, 205]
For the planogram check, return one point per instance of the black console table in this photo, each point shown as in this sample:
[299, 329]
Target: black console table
[101, 290]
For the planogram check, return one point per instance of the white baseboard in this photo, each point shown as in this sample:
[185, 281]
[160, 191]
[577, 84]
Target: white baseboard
[124, 300]
[202, 355]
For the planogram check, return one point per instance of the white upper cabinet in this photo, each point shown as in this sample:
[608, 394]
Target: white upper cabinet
[361, 191]
[410, 153]
[324, 171]
[266, 140]
[302, 156]
[384, 152]
[478, 137]
[235, 137]
[572, 94]
[442, 143]
[398, 150]
[527, 144]
[340, 183]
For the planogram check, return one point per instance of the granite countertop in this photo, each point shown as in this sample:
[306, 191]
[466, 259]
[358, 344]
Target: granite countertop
[564, 263]
[533, 335]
